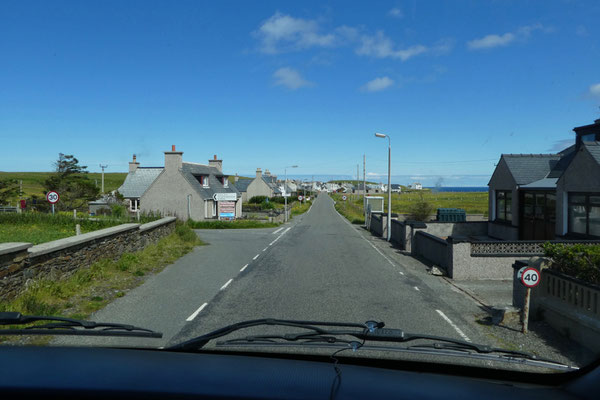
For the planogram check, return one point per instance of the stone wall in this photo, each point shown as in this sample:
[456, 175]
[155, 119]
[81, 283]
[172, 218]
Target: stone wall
[20, 263]
[432, 248]
[403, 232]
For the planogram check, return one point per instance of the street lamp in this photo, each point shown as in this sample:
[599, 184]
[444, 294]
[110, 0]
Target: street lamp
[285, 191]
[389, 216]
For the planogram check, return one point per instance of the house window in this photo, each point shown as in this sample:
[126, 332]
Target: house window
[584, 214]
[504, 205]
[134, 204]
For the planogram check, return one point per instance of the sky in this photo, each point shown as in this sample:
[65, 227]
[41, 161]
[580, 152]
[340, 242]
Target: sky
[272, 84]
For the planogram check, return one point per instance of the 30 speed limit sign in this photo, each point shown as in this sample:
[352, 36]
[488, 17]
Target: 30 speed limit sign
[52, 197]
[530, 277]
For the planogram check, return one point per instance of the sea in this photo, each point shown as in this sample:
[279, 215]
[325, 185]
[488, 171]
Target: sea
[459, 188]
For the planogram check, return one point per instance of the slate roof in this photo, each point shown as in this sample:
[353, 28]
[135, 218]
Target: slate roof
[527, 168]
[594, 149]
[271, 181]
[544, 183]
[137, 182]
[191, 170]
[242, 184]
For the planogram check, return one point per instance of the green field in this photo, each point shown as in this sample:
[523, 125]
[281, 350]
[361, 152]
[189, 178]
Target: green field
[33, 181]
[471, 202]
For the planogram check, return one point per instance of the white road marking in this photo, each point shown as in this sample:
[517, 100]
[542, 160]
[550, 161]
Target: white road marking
[265, 249]
[452, 324]
[401, 273]
[277, 231]
[273, 242]
[226, 284]
[284, 232]
[417, 289]
[191, 317]
[309, 208]
[243, 268]
[256, 256]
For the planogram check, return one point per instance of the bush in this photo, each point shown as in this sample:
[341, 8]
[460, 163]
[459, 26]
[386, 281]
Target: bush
[118, 210]
[420, 210]
[579, 261]
[257, 199]
[186, 233]
[280, 200]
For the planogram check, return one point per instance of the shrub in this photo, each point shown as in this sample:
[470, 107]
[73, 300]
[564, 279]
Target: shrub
[420, 210]
[579, 261]
[257, 199]
[280, 200]
[118, 210]
[186, 233]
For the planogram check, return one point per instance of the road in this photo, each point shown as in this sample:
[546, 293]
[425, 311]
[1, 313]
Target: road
[316, 267]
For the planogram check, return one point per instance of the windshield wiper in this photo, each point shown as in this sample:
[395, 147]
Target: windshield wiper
[69, 326]
[370, 331]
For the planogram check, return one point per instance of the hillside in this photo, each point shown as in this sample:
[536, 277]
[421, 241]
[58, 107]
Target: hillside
[33, 181]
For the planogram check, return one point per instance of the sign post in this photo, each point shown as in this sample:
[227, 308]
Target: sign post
[530, 278]
[226, 204]
[52, 198]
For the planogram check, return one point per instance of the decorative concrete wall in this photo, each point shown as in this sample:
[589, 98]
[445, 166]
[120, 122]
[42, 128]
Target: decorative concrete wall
[403, 232]
[22, 262]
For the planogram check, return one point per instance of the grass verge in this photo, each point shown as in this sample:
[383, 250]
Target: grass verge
[90, 289]
[300, 208]
[352, 211]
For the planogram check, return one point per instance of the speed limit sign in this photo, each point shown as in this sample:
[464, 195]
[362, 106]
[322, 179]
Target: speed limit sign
[52, 197]
[530, 277]
[344, 198]
[300, 197]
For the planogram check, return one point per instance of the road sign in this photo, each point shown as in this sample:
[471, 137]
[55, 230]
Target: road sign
[300, 197]
[225, 197]
[52, 197]
[286, 194]
[308, 199]
[530, 277]
[344, 198]
[226, 209]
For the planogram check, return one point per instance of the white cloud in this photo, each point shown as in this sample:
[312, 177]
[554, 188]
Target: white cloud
[380, 46]
[396, 13]
[283, 32]
[290, 78]
[595, 89]
[378, 84]
[495, 40]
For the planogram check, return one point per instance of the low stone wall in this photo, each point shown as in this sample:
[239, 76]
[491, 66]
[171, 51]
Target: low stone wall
[432, 248]
[22, 262]
[570, 306]
[463, 265]
[403, 232]
[377, 224]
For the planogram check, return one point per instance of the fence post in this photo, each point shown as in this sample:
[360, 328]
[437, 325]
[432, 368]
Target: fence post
[74, 213]
[77, 230]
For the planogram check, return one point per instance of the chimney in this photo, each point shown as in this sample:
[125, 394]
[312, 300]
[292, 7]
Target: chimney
[133, 165]
[218, 164]
[173, 160]
[258, 173]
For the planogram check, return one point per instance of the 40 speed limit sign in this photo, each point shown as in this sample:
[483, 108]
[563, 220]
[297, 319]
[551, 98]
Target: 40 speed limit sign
[530, 277]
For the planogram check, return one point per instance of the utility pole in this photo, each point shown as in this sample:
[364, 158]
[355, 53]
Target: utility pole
[358, 181]
[103, 166]
[364, 183]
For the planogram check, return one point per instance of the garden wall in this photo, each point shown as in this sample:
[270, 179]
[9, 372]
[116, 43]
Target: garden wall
[20, 263]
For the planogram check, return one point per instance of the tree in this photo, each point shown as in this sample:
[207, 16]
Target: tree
[9, 189]
[72, 183]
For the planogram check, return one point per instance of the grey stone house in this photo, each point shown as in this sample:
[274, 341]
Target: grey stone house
[548, 196]
[182, 189]
[259, 186]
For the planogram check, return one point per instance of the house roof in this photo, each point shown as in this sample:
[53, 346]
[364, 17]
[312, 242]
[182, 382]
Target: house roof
[271, 181]
[191, 170]
[544, 183]
[242, 184]
[137, 182]
[594, 149]
[528, 168]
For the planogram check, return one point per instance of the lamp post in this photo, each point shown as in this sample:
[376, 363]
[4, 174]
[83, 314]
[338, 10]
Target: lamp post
[103, 166]
[389, 188]
[285, 191]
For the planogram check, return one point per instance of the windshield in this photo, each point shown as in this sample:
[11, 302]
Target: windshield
[173, 168]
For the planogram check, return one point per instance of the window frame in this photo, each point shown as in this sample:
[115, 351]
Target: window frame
[507, 210]
[587, 205]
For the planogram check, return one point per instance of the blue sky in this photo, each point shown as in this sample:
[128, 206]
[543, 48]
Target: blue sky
[271, 84]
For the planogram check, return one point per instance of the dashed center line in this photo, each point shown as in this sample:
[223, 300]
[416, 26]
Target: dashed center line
[452, 324]
[265, 249]
[191, 317]
[401, 273]
[286, 231]
[417, 289]
[243, 268]
[277, 231]
[256, 256]
[226, 284]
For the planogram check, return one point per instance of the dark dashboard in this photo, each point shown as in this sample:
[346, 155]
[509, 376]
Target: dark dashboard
[68, 372]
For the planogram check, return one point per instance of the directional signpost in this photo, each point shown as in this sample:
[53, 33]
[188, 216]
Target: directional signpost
[226, 204]
[530, 278]
[52, 198]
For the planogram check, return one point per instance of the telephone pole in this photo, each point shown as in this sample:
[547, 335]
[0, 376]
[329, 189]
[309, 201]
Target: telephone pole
[103, 166]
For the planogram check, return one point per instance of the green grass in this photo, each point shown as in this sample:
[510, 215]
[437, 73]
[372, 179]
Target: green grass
[33, 181]
[90, 289]
[300, 208]
[472, 202]
[236, 224]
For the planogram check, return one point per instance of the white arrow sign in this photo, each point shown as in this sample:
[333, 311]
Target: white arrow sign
[224, 197]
